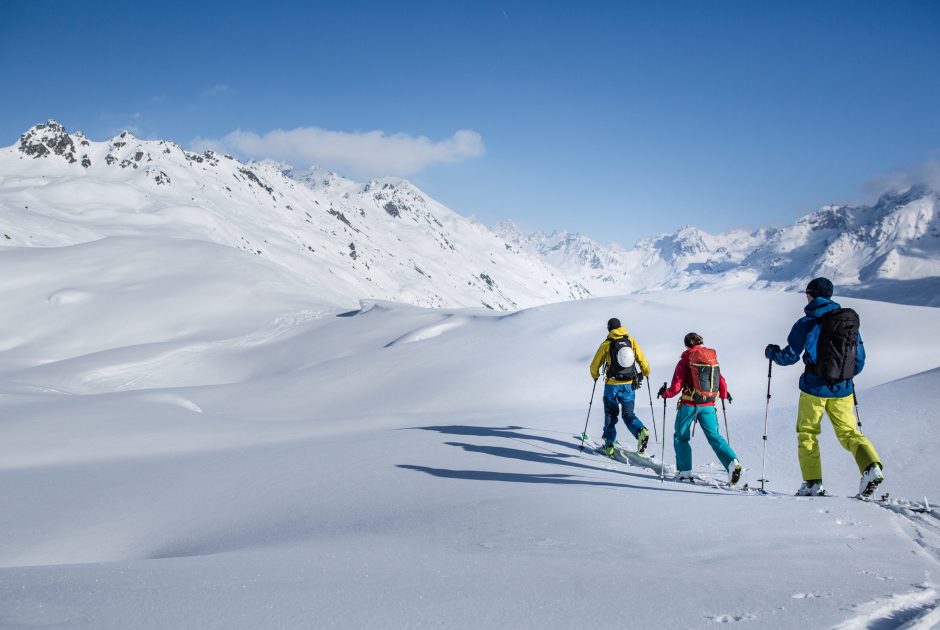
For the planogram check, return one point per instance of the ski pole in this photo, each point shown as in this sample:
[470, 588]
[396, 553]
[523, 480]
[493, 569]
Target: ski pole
[725, 414]
[584, 433]
[858, 418]
[662, 460]
[653, 413]
[762, 480]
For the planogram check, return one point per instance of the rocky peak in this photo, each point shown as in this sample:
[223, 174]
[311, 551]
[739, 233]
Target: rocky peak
[828, 218]
[47, 139]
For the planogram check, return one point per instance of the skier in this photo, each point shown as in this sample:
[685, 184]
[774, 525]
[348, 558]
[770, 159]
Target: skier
[621, 354]
[695, 377]
[827, 385]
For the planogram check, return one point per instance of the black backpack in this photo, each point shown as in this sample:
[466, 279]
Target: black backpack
[837, 344]
[621, 352]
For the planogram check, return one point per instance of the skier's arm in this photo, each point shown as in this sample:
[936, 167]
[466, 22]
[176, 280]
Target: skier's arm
[796, 340]
[641, 358]
[722, 387]
[678, 377]
[599, 359]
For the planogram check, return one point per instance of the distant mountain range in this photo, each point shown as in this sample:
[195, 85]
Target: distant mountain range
[888, 251]
[386, 239]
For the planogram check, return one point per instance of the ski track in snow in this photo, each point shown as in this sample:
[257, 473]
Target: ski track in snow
[914, 610]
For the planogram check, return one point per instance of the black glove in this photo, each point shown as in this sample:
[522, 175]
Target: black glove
[637, 382]
[728, 398]
[771, 350]
[661, 392]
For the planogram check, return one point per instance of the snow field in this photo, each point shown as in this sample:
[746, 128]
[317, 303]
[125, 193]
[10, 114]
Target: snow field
[188, 439]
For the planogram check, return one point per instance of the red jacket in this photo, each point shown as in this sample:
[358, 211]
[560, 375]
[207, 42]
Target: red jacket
[682, 382]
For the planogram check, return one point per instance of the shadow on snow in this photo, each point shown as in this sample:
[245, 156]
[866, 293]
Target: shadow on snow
[549, 457]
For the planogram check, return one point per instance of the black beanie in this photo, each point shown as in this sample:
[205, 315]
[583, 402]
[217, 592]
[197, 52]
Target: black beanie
[612, 323]
[693, 339]
[819, 287]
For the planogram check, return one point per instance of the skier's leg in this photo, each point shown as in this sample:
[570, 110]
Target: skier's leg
[627, 399]
[611, 411]
[843, 422]
[708, 420]
[680, 439]
[808, 419]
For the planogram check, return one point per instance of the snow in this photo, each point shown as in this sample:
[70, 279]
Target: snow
[190, 438]
[194, 434]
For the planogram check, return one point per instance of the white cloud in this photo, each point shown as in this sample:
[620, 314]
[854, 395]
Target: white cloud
[927, 173]
[366, 154]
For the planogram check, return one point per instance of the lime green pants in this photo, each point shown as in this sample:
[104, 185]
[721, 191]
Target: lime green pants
[842, 416]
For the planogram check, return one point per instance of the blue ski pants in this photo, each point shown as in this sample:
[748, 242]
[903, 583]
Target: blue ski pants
[708, 420]
[619, 399]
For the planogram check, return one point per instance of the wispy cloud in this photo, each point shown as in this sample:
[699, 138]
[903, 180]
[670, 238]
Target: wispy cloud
[927, 173]
[219, 88]
[366, 154]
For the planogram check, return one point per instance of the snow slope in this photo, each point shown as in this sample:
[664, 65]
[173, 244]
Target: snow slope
[191, 438]
[384, 239]
[888, 251]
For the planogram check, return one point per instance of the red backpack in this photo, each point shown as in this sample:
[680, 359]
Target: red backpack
[706, 374]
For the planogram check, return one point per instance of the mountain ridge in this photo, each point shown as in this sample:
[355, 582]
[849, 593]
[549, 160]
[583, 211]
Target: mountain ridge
[889, 250]
[386, 239]
[382, 239]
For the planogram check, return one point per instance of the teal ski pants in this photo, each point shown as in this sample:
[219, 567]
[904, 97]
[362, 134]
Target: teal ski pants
[708, 420]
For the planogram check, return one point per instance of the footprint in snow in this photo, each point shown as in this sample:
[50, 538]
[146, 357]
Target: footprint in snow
[810, 595]
[732, 618]
[875, 575]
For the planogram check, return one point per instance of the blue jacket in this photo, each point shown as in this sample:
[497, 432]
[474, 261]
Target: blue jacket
[803, 337]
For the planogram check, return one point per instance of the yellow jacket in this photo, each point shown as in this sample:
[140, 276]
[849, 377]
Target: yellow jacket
[603, 354]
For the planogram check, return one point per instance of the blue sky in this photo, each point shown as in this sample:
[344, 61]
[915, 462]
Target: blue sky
[618, 120]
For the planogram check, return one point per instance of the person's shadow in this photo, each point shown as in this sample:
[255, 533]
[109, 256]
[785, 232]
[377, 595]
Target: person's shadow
[548, 456]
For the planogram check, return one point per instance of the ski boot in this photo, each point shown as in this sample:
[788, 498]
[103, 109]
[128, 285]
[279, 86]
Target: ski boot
[734, 472]
[870, 480]
[642, 439]
[811, 488]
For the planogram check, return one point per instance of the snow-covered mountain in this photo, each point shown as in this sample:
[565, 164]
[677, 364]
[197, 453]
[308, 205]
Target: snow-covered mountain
[384, 239]
[889, 251]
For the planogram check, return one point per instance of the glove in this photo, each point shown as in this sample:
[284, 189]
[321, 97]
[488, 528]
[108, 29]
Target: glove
[771, 350]
[661, 392]
[728, 398]
[637, 382]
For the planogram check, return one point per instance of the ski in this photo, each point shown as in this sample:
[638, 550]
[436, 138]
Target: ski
[718, 484]
[636, 459]
[625, 455]
[900, 505]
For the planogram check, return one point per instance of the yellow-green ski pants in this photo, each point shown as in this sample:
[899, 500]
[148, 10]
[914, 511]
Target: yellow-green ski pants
[842, 416]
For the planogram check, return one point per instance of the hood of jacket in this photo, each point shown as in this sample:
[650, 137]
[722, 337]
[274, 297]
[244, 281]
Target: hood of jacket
[617, 333]
[820, 306]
